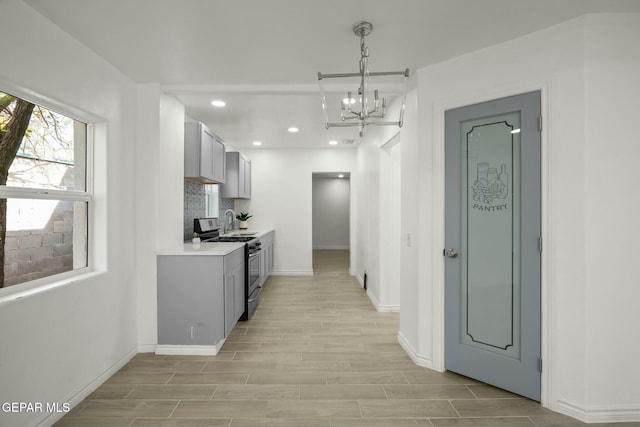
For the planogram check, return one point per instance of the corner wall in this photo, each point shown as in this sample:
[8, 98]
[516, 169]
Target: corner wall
[611, 209]
[281, 197]
[384, 293]
[159, 197]
[587, 82]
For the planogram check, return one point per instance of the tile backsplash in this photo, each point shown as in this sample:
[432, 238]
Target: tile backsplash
[195, 206]
[224, 204]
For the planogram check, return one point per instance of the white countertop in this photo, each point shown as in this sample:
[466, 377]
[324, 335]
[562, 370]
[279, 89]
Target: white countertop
[212, 248]
[206, 248]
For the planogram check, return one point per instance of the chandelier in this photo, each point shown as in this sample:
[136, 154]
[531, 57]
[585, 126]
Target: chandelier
[366, 108]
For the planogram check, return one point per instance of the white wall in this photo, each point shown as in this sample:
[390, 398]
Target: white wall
[370, 183]
[331, 203]
[587, 70]
[56, 345]
[281, 198]
[389, 224]
[612, 204]
[159, 197]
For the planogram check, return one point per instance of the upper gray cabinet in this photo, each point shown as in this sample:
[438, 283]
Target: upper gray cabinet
[204, 155]
[238, 183]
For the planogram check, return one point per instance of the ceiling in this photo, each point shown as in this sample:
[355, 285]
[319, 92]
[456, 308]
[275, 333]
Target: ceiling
[262, 56]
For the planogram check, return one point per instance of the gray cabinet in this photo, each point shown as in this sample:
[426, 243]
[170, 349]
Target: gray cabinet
[204, 155]
[238, 178]
[233, 297]
[200, 297]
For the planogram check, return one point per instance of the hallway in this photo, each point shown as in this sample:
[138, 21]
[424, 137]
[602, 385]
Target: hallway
[316, 354]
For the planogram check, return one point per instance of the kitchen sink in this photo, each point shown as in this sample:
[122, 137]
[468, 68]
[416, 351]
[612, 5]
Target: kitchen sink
[232, 238]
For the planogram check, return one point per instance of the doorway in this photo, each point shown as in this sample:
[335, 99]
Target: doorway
[331, 200]
[492, 238]
[389, 232]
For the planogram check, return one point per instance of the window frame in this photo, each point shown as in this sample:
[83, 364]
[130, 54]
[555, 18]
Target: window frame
[20, 290]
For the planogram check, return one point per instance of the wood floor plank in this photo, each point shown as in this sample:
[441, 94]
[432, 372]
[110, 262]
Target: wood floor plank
[316, 354]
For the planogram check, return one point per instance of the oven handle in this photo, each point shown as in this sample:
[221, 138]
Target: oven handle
[255, 253]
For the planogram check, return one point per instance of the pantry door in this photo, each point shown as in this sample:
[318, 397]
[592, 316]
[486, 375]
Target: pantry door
[493, 244]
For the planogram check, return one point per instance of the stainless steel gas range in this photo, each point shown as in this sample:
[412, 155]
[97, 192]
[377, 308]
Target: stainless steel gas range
[209, 231]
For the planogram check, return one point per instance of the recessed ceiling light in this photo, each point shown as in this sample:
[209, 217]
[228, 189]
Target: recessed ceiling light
[218, 103]
[257, 143]
[340, 176]
[293, 129]
[333, 142]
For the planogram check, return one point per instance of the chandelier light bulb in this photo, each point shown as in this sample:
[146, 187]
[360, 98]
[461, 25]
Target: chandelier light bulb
[365, 112]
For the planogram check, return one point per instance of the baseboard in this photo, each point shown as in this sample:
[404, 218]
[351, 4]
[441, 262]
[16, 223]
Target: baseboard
[417, 358]
[359, 278]
[190, 350]
[388, 309]
[599, 415]
[147, 348]
[84, 392]
[292, 273]
[331, 248]
[380, 308]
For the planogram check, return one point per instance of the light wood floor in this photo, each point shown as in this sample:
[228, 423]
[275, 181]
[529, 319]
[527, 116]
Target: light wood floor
[316, 353]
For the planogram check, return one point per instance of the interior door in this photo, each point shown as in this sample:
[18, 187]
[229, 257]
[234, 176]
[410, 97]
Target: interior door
[492, 238]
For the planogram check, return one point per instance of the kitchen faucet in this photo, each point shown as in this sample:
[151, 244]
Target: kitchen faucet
[226, 224]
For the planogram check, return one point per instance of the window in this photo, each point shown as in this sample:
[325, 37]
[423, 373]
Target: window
[211, 200]
[44, 202]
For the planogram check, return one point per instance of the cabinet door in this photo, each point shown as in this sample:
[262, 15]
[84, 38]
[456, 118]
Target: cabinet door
[206, 155]
[242, 162]
[233, 297]
[247, 179]
[219, 161]
[229, 303]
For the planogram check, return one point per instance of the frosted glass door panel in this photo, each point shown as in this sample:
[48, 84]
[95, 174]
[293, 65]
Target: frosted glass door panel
[490, 291]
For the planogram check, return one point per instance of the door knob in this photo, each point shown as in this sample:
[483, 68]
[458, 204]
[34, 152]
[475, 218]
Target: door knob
[451, 253]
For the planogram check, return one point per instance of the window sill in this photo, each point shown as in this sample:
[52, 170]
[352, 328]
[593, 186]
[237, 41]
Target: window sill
[24, 290]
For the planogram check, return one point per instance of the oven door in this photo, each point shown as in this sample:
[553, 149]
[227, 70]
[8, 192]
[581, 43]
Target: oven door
[254, 271]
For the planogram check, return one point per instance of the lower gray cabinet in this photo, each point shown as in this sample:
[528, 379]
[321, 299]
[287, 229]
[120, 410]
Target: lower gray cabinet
[233, 297]
[200, 297]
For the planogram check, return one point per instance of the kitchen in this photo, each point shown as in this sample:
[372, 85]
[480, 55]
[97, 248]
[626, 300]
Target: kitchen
[215, 181]
[139, 184]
